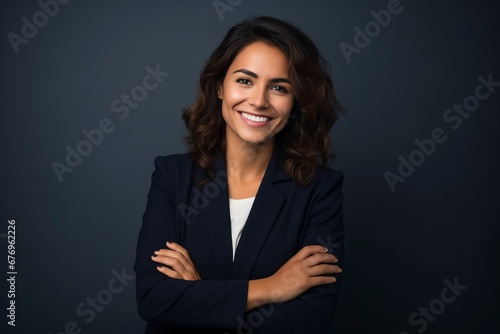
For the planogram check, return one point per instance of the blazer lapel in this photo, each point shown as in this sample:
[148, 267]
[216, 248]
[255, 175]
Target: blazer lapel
[217, 217]
[265, 210]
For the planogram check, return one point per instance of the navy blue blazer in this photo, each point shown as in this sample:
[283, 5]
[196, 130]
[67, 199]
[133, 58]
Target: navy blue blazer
[284, 217]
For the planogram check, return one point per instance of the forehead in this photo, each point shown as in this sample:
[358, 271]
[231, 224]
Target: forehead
[262, 59]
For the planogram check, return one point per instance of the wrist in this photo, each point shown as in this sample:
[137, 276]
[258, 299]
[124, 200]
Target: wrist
[258, 293]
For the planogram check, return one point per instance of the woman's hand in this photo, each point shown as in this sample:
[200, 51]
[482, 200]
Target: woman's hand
[176, 263]
[311, 266]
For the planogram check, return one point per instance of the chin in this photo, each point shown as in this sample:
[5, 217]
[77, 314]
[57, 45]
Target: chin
[260, 141]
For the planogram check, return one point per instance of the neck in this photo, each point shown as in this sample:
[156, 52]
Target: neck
[246, 161]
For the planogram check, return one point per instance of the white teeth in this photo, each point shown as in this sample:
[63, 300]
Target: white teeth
[253, 118]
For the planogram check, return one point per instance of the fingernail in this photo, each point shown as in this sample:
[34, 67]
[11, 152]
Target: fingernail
[169, 242]
[326, 249]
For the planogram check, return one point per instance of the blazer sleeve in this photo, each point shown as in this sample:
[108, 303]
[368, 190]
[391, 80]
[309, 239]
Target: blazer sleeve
[311, 312]
[175, 302]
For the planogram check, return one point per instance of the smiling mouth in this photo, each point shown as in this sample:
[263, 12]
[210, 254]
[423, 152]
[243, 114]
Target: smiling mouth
[257, 119]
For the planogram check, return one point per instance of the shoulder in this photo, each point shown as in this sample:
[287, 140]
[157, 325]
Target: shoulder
[326, 181]
[325, 173]
[173, 164]
[173, 159]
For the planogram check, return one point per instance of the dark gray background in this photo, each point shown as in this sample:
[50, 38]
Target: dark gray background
[441, 223]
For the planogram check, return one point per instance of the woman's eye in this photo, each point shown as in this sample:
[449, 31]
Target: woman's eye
[244, 81]
[280, 89]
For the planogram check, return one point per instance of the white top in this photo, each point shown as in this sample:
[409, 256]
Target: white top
[239, 209]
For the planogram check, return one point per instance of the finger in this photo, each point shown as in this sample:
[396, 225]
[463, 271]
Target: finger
[322, 280]
[319, 258]
[178, 248]
[323, 269]
[160, 259]
[177, 272]
[175, 264]
[178, 262]
[175, 255]
[175, 247]
[169, 272]
[307, 251]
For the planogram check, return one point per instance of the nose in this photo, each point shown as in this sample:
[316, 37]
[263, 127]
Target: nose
[259, 98]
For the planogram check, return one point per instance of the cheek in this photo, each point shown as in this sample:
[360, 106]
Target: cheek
[286, 108]
[233, 96]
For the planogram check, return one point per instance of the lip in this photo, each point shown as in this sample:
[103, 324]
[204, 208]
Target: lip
[252, 123]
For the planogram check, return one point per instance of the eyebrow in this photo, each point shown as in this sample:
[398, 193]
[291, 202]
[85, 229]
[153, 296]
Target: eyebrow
[254, 75]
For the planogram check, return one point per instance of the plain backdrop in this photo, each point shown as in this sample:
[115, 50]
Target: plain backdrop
[73, 236]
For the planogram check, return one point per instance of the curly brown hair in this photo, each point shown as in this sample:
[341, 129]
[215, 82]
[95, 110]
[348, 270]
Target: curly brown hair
[305, 139]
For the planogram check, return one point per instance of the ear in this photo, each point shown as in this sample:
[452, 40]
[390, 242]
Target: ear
[219, 91]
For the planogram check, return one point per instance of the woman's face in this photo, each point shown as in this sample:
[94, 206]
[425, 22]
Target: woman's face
[256, 94]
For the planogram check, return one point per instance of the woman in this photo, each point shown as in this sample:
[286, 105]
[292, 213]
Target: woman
[244, 234]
